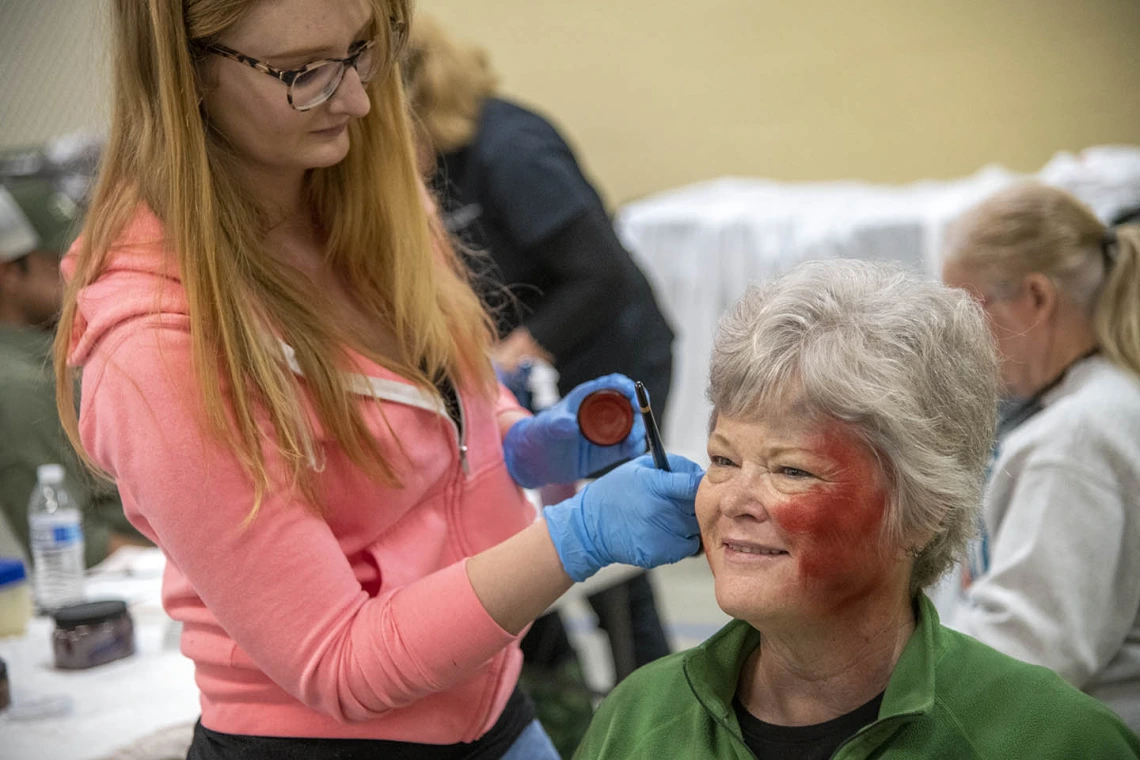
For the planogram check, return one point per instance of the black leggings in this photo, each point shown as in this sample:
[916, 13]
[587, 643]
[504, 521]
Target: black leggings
[213, 745]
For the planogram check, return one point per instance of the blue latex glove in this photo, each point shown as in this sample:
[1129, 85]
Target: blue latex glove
[549, 448]
[635, 515]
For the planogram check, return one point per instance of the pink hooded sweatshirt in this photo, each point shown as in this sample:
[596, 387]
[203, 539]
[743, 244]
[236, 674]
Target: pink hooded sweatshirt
[360, 623]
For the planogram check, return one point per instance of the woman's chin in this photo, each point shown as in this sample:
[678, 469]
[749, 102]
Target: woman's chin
[742, 602]
[329, 154]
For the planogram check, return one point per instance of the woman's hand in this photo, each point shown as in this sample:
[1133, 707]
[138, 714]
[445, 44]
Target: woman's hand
[550, 448]
[635, 515]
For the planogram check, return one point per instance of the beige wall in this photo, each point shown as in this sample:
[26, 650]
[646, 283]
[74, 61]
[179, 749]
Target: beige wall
[658, 93]
[53, 69]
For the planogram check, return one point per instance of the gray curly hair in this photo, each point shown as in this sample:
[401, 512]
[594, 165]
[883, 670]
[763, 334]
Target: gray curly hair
[908, 362]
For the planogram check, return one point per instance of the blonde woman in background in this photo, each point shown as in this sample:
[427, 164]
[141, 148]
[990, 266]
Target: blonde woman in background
[511, 186]
[286, 372]
[1056, 578]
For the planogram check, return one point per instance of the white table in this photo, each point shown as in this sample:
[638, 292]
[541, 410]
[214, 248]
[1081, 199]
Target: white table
[118, 703]
[113, 704]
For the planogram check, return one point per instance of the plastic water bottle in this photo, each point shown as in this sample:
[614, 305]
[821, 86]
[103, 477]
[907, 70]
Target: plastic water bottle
[56, 533]
[542, 381]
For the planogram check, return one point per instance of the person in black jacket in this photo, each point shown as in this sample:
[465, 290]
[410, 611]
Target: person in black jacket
[510, 186]
[552, 269]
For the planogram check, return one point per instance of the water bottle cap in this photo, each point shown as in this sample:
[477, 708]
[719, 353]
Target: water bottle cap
[12, 571]
[543, 384]
[50, 473]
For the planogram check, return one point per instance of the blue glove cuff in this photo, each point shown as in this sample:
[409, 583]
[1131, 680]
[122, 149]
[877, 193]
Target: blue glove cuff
[567, 529]
[513, 444]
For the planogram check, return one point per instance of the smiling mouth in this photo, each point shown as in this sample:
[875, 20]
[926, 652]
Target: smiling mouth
[765, 551]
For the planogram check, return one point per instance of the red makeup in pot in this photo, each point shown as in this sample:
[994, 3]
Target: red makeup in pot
[605, 417]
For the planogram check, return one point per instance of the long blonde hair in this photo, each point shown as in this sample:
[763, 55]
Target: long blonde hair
[162, 153]
[447, 83]
[1036, 228]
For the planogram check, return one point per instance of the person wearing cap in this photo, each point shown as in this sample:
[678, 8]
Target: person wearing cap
[37, 224]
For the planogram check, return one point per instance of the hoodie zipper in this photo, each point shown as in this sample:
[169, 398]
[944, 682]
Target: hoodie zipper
[460, 428]
[461, 438]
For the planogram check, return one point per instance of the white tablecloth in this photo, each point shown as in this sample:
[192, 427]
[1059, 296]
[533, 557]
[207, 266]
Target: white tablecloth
[110, 705]
[118, 703]
[702, 245]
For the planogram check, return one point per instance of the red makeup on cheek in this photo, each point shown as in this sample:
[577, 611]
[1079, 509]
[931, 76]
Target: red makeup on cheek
[836, 526]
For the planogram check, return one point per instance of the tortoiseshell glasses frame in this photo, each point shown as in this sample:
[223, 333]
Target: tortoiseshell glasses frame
[312, 84]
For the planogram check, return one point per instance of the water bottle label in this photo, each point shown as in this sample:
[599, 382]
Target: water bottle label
[66, 534]
[55, 535]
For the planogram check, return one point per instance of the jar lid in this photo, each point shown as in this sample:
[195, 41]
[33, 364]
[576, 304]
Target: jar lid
[11, 571]
[89, 613]
[605, 417]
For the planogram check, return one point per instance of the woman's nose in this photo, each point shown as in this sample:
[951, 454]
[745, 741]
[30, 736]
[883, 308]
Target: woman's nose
[744, 496]
[350, 98]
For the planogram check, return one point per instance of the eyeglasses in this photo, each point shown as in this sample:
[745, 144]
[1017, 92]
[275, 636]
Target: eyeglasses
[316, 82]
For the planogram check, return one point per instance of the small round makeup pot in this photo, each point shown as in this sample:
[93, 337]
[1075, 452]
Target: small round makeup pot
[605, 417]
[5, 688]
[92, 634]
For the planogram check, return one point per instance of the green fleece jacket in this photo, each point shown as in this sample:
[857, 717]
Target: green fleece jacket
[31, 435]
[949, 697]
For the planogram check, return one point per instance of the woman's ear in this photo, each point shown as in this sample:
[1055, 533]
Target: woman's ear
[1042, 295]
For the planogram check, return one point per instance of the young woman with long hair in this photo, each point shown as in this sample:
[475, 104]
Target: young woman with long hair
[284, 368]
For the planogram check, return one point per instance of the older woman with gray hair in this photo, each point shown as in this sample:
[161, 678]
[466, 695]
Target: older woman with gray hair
[854, 408]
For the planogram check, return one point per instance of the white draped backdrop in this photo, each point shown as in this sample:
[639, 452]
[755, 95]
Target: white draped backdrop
[702, 245]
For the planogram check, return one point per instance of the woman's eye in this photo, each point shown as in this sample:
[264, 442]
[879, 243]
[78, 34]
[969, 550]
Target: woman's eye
[795, 472]
[308, 77]
[719, 461]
